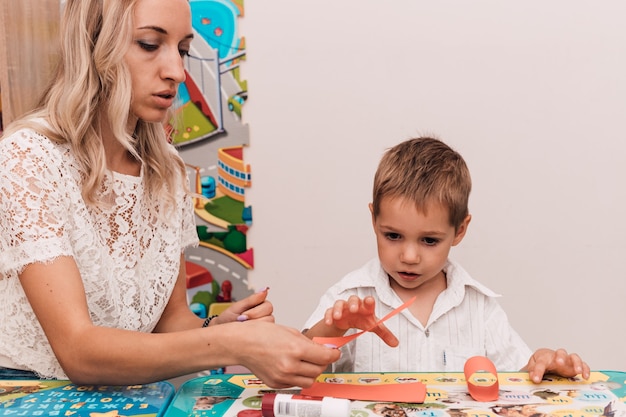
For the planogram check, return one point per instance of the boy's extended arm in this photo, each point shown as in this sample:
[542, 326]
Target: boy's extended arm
[557, 362]
[347, 314]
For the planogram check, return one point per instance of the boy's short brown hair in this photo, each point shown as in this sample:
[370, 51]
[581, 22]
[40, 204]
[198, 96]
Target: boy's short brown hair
[424, 170]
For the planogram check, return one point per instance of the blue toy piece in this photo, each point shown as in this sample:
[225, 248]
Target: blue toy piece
[208, 186]
[246, 215]
[199, 310]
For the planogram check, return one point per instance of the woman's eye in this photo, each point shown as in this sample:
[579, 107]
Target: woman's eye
[183, 52]
[147, 46]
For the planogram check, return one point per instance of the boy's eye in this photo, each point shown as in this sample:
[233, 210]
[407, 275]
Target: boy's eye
[147, 46]
[392, 236]
[430, 241]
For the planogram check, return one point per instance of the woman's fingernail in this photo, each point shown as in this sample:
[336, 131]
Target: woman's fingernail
[242, 317]
[263, 289]
[330, 345]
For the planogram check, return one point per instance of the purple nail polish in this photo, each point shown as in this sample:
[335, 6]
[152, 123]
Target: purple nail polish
[242, 317]
[330, 345]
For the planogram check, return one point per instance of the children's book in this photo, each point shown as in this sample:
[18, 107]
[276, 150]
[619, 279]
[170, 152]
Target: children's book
[62, 398]
[604, 394]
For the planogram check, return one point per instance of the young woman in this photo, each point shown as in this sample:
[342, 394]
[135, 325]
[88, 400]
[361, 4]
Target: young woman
[95, 215]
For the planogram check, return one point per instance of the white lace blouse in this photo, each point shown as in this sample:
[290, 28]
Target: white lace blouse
[127, 254]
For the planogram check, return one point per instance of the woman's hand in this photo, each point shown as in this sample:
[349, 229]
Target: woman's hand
[281, 356]
[253, 307]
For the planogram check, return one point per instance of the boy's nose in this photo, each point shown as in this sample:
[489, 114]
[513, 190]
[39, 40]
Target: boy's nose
[410, 254]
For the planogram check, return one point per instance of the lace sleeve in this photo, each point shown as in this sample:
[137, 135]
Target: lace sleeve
[34, 207]
[189, 234]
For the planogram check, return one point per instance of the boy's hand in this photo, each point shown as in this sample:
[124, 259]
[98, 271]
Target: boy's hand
[358, 314]
[557, 362]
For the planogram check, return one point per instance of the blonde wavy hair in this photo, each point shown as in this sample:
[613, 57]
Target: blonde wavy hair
[91, 79]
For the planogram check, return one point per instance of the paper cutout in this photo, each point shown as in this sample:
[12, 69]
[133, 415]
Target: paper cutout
[342, 340]
[411, 392]
[482, 379]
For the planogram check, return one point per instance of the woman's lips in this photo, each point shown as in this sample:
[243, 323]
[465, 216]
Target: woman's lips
[164, 100]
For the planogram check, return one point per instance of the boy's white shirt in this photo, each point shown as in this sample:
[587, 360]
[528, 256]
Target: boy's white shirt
[466, 321]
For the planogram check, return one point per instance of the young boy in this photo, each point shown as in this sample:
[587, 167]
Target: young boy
[419, 211]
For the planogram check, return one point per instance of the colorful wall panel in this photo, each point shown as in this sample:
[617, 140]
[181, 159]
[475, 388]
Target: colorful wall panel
[211, 138]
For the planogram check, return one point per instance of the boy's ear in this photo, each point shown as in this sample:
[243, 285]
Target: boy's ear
[461, 230]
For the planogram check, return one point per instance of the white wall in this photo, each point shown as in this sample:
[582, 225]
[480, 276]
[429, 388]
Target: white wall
[532, 93]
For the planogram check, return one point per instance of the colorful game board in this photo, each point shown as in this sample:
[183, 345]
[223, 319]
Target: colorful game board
[604, 394]
[62, 398]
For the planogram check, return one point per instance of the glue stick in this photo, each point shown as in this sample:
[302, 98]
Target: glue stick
[287, 405]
